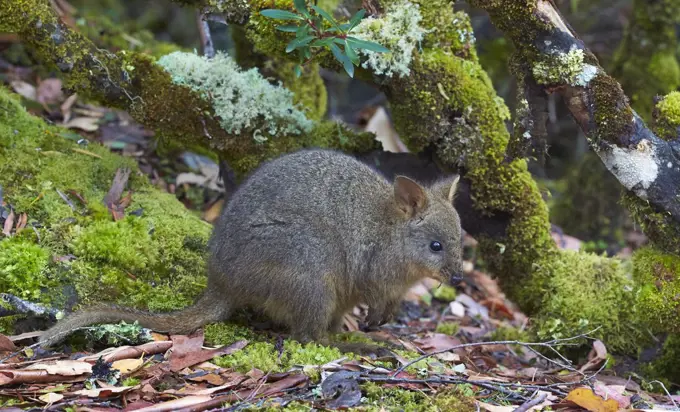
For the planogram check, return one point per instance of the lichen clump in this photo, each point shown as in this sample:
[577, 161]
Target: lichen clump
[399, 30]
[243, 100]
[566, 68]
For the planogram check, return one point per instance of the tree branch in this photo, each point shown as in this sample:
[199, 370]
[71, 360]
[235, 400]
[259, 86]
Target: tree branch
[642, 162]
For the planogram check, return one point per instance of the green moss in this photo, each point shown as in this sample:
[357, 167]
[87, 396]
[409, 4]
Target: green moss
[661, 229]
[264, 356]
[448, 328]
[646, 61]
[581, 292]
[23, 267]
[667, 116]
[612, 120]
[444, 293]
[589, 207]
[393, 399]
[106, 34]
[125, 243]
[667, 366]
[658, 298]
[227, 333]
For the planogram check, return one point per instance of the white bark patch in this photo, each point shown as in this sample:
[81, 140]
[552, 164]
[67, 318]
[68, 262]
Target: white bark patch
[546, 10]
[636, 169]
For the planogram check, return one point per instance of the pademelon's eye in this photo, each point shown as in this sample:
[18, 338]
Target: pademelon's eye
[436, 246]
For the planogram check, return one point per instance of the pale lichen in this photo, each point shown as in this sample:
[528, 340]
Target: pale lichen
[635, 168]
[399, 30]
[569, 68]
[243, 100]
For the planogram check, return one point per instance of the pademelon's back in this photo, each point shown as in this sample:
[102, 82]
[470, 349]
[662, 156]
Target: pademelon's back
[308, 184]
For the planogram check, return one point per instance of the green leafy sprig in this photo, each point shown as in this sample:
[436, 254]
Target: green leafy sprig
[310, 34]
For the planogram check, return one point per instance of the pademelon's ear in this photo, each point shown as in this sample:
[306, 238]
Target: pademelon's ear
[447, 188]
[409, 195]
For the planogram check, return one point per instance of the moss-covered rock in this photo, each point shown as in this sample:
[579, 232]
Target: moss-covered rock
[153, 258]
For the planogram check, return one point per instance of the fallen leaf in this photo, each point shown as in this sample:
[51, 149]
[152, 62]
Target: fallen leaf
[9, 223]
[585, 398]
[342, 388]
[51, 397]
[24, 89]
[437, 342]
[88, 124]
[49, 91]
[63, 367]
[182, 357]
[103, 392]
[66, 106]
[6, 344]
[126, 366]
[21, 223]
[211, 378]
[112, 198]
[597, 355]
[613, 392]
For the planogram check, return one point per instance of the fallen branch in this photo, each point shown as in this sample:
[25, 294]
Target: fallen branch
[29, 308]
[530, 404]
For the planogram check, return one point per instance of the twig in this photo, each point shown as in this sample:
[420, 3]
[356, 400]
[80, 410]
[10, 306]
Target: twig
[26, 307]
[675, 405]
[530, 404]
[206, 39]
[547, 344]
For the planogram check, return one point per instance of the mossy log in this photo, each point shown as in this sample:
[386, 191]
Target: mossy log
[445, 108]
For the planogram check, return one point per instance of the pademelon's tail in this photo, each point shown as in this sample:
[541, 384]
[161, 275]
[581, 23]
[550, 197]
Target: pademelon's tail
[204, 311]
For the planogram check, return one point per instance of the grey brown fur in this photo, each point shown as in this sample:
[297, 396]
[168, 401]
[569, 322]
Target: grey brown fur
[307, 237]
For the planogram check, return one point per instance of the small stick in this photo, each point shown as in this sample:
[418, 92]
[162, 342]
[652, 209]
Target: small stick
[531, 403]
[206, 39]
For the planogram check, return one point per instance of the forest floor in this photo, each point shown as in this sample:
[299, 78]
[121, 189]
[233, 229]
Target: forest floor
[468, 338]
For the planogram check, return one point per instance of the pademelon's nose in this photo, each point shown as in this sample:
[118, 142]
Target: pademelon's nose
[456, 278]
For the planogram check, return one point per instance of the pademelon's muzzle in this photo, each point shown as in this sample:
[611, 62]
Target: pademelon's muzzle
[454, 276]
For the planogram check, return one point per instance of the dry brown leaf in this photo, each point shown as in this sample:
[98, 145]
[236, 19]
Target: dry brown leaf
[24, 89]
[51, 397]
[49, 91]
[587, 399]
[9, 223]
[63, 367]
[126, 366]
[597, 355]
[21, 223]
[211, 378]
[67, 105]
[88, 124]
[437, 342]
[6, 344]
[104, 392]
[188, 354]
